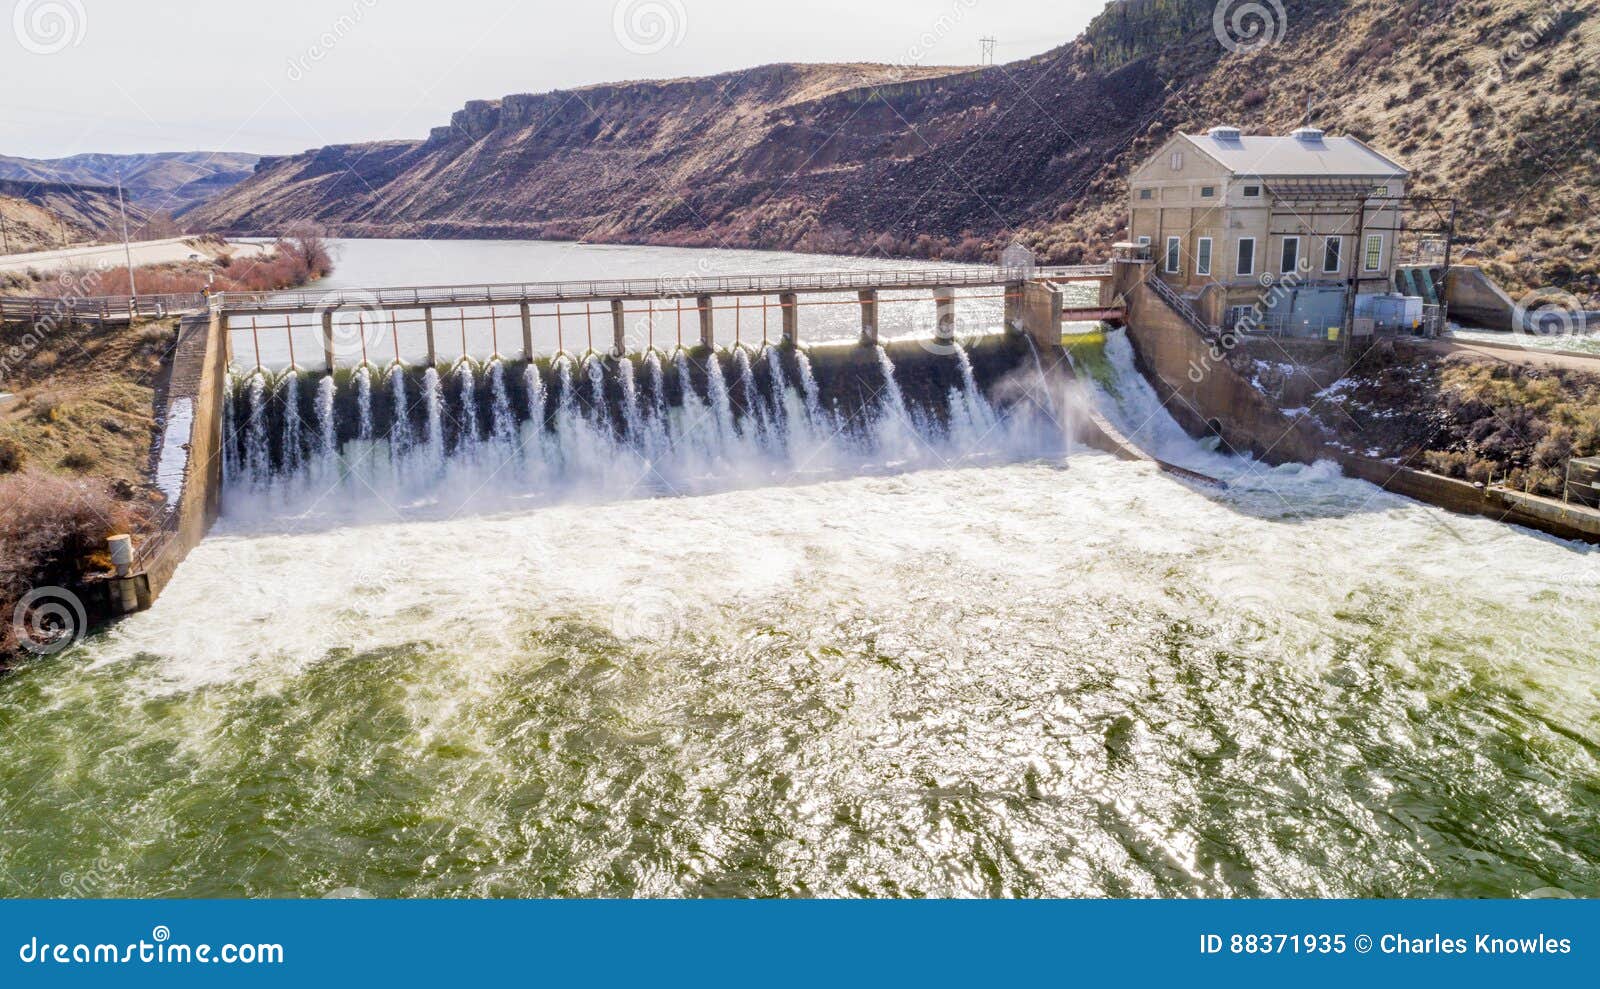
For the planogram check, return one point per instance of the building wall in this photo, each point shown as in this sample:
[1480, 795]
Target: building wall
[1176, 207]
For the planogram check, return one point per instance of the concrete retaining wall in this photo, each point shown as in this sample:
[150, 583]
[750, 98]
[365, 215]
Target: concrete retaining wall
[1202, 390]
[1475, 300]
[199, 376]
[1206, 395]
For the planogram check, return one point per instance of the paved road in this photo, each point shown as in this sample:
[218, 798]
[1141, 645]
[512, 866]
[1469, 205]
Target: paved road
[145, 252]
[1512, 354]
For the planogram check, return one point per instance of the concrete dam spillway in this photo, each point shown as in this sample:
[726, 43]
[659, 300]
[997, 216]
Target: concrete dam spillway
[653, 423]
[903, 637]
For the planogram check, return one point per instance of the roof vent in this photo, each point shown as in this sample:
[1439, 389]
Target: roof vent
[1309, 135]
[1224, 133]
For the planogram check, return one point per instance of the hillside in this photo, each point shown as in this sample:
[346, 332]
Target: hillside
[1487, 100]
[44, 215]
[168, 182]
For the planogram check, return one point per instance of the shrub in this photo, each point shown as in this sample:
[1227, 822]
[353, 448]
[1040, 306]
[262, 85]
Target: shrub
[52, 530]
[81, 459]
[12, 456]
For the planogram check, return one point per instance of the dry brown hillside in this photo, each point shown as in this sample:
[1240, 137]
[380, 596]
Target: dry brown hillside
[1492, 101]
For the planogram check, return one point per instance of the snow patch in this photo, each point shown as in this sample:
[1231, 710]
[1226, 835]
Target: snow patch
[174, 461]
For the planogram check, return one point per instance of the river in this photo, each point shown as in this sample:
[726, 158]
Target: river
[1047, 674]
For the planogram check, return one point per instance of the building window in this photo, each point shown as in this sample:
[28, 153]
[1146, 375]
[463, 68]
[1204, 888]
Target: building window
[1291, 255]
[1177, 161]
[1202, 257]
[1252, 191]
[1333, 255]
[1174, 256]
[1144, 241]
[1375, 253]
[1146, 193]
[1247, 256]
[1208, 192]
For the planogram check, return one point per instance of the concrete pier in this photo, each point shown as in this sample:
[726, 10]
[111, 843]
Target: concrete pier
[869, 316]
[619, 329]
[708, 321]
[526, 312]
[789, 302]
[944, 304]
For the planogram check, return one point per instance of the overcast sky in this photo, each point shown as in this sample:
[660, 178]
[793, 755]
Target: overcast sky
[279, 76]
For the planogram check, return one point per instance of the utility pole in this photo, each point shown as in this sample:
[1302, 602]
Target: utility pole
[988, 50]
[5, 238]
[127, 249]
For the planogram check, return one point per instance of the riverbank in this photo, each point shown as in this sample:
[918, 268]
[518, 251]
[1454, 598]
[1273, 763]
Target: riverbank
[178, 266]
[1462, 413]
[75, 447]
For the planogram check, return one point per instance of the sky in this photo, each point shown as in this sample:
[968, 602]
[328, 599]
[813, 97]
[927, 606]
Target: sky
[281, 76]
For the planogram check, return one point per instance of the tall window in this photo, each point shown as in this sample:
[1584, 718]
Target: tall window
[1174, 256]
[1333, 255]
[1177, 161]
[1375, 252]
[1291, 255]
[1247, 256]
[1202, 257]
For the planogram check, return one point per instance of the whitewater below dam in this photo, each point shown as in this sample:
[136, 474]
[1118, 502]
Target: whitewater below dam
[934, 650]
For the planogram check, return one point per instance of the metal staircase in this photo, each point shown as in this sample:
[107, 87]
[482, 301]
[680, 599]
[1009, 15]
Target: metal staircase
[1181, 306]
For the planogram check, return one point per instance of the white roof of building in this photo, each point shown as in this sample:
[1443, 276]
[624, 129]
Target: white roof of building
[1306, 153]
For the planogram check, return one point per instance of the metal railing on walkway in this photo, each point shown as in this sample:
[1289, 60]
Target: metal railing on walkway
[414, 297]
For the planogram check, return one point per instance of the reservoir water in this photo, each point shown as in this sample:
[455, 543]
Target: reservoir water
[1030, 670]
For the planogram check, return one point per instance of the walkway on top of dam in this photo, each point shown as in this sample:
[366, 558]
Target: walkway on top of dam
[412, 297]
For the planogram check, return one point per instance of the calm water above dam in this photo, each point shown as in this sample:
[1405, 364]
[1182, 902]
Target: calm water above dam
[929, 663]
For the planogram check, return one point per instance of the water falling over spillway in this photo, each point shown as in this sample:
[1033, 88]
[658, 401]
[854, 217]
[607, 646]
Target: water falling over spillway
[604, 426]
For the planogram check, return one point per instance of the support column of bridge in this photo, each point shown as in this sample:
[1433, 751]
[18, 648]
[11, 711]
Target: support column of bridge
[1014, 306]
[1041, 314]
[527, 331]
[619, 329]
[327, 339]
[869, 316]
[427, 322]
[944, 306]
[789, 303]
[708, 322]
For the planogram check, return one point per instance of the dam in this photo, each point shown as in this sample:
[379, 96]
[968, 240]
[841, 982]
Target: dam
[943, 659]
